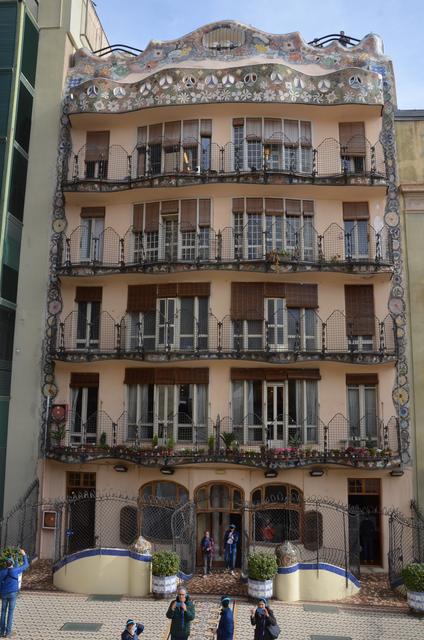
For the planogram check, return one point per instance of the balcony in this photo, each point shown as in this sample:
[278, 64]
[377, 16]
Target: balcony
[280, 246]
[278, 161]
[289, 336]
[366, 443]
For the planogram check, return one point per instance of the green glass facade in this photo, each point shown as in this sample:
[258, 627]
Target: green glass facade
[18, 61]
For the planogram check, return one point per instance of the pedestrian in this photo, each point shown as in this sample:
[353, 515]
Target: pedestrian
[262, 618]
[207, 545]
[132, 630]
[10, 584]
[231, 538]
[181, 612]
[225, 629]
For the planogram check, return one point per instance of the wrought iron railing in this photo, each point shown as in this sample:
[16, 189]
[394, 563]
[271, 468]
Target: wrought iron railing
[289, 334]
[358, 158]
[276, 243]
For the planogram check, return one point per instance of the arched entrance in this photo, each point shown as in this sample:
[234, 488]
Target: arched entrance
[219, 504]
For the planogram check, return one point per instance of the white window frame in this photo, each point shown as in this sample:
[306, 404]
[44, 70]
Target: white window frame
[86, 343]
[81, 437]
[356, 240]
[91, 229]
[363, 437]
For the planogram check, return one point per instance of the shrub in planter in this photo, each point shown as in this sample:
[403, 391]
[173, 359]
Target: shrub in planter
[413, 577]
[165, 566]
[261, 568]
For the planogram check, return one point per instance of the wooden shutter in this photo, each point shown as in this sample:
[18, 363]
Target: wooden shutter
[93, 212]
[293, 207]
[206, 128]
[254, 128]
[88, 294]
[238, 205]
[238, 122]
[167, 290]
[155, 133]
[97, 145]
[308, 207]
[362, 378]
[152, 216]
[172, 133]
[190, 133]
[141, 298]
[192, 289]
[355, 211]
[273, 130]
[168, 207]
[274, 290]
[254, 205]
[142, 375]
[359, 304]
[138, 210]
[198, 375]
[188, 216]
[141, 136]
[303, 296]
[352, 138]
[291, 133]
[204, 212]
[305, 134]
[274, 374]
[274, 206]
[84, 379]
[166, 375]
[247, 301]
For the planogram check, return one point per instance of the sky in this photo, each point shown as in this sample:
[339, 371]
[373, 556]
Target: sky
[399, 22]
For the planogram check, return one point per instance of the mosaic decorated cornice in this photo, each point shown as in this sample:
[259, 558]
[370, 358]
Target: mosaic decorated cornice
[259, 67]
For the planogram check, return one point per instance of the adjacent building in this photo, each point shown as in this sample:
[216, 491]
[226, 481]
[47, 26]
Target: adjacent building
[226, 309]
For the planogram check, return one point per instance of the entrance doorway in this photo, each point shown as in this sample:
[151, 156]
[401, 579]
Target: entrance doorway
[217, 506]
[81, 488]
[364, 495]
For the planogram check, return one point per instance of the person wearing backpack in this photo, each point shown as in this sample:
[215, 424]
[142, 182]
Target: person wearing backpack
[263, 619]
[10, 584]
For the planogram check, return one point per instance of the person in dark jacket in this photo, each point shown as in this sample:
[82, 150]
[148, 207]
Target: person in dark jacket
[181, 612]
[132, 630]
[261, 618]
[10, 584]
[225, 629]
[231, 538]
[207, 545]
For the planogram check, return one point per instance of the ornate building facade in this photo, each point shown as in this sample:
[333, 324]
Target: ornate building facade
[226, 301]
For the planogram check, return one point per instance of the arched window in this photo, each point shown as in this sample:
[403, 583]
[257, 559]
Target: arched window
[276, 513]
[158, 501]
[218, 496]
[128, 526]
[163, 489]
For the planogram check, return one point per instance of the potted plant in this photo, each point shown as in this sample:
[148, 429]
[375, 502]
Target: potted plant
[413, 578]
[261, 568]
[165, 566]
[58, 435]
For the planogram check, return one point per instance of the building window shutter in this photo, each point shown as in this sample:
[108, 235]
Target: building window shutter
[238, 122]
[155, 133]
[254, 128]
[362, 378]
[308, 207]
[198, 375]
[247, 301]
[97, 145]
[274, 290]
[193, 289]
[172, 134]
[301, 296]
[274, 206]
[238, 205]
[305, 134]
[139, 376]
[204, 212]
[138, 210]
[152, 216]
[141, 136]
[293, 207]
[273, 130]
[274, 375]
[352, 138]
[206, 128]
[167, 290]
[355, 211]
[169, 206]
[190, 133]
[254, 205]
[93, 212]
[85, 379]
[359, 304]
[188, 215]
[141, 298]
[291, 133]
[88, 294]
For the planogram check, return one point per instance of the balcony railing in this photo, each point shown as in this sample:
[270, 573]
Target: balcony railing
[358, 161]
[178, 439]
[289, 335]
[278, 243]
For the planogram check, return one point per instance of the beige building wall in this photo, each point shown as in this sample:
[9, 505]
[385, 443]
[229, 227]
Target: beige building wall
[62, 24]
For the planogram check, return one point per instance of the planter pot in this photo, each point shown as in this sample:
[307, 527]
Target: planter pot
[260, 588]
[164, 586]
[416, 600]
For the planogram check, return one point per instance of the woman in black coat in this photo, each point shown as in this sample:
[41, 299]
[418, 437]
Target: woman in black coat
[261, 618]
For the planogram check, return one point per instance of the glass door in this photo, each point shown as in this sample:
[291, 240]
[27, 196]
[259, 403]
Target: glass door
[275, 412]
[170, 230]
[165, 412]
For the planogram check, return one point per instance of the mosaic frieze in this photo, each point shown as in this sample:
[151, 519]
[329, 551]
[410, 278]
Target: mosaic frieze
[265, 83]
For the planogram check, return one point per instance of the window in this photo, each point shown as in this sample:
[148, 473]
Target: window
[176, 412]
[360, 318]
[352, 147]
[97, 155]
[356, 228]
[277, 514]
[158, 501]
[92, 234]
[88, 325]
[362, 414]
[141, 334]
[284, 413]
[84, 404]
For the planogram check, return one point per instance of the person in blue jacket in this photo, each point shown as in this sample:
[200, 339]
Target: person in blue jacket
[10, 584]
[231, 538]
[132, 630]
[225, 629]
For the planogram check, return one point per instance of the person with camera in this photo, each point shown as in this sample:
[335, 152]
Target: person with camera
[10, 585]
[181, 612]
[263, 619]
[132, 630]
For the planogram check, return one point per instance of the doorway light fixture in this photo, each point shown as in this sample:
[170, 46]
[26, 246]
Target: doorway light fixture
[316, 473]
[121, 468]
[167, 471]
[397, 473]
[271, 473]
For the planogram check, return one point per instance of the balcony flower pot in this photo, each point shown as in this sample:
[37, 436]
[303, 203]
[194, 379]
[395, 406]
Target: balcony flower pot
[413, 577]
[262, 568]
[165, 567]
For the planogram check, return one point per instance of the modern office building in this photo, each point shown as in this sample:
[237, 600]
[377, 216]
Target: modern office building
[225, 312]
[54, 29]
